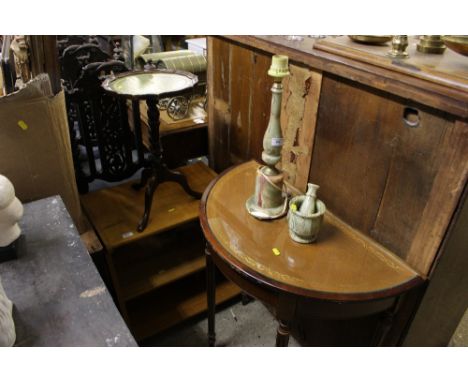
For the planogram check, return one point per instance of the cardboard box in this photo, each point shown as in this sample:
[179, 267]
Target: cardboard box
[35, 151]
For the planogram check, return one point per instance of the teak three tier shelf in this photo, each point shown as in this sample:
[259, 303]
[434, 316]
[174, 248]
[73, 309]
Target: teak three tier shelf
[158, 274]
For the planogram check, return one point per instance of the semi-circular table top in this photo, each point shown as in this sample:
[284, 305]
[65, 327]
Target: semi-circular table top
[343, 265]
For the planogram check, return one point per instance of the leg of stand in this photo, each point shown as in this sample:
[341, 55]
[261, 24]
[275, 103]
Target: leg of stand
[153, 183]
[156, 158]
[282, 334]
[145, 175]
[211, 296]
[175, 176]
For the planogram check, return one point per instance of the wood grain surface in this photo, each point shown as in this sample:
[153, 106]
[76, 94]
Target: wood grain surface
[341, 265]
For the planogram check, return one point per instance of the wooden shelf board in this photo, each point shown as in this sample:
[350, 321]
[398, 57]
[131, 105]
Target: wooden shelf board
[148, 319]
[158, 261]
[115, 212]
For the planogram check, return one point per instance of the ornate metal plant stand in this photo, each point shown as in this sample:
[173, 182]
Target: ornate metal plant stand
[152, 86]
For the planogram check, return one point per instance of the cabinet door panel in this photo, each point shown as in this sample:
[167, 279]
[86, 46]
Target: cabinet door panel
[377, 159]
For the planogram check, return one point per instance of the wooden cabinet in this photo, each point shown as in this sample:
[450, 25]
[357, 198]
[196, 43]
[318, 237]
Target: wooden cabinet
[387, 143]
[158, 274]
[385, 164]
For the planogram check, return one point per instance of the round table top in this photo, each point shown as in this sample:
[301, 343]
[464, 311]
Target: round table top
[150, 83]
[343, 265]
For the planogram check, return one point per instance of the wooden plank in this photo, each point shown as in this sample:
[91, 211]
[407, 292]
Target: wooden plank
[241, 62]
[260, 103]
[404, 85]
[448, 69]
[175, 306]
[51, 62]
[413, 165]
[353, 145]
[218, 74]
[385, 178]
[159, 260]
[446, 190]
[248, 107]
[298, 120]
[115, 212]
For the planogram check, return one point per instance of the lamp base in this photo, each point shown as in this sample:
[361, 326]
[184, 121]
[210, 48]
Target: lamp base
[265, 213]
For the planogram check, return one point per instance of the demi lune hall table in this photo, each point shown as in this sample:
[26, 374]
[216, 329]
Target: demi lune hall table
[343, 275]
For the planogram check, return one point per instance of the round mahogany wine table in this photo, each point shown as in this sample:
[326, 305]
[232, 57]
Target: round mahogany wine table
[152, 86]
[343, 275]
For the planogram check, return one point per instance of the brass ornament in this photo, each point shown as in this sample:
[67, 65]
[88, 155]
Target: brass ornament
[431, 44]
[399, 45]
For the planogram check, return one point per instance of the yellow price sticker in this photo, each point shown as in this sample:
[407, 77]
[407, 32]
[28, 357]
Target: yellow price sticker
[276, 251]
[294, 207]
[22, 124]
[171, 210]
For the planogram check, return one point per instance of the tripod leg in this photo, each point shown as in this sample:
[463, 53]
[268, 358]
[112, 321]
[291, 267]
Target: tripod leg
[153, 183]
[175, 176]
[145, 175]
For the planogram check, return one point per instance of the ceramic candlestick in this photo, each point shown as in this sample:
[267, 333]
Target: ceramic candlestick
[269, 201]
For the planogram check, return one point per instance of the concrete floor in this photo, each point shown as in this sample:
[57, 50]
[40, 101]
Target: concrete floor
[236, 325]
[460, 337]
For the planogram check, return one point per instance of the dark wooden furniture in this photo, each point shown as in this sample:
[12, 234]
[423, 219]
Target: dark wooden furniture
[385, 139]
[183, 139]
[345, 274]
[157, 274]
[103, 145]
[155, 171]
[59, 298]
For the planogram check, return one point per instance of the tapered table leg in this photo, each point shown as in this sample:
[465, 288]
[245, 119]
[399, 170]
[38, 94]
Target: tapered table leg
[282, 334]
[211, 296]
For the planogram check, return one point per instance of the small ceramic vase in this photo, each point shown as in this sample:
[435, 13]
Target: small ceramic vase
[305, 216]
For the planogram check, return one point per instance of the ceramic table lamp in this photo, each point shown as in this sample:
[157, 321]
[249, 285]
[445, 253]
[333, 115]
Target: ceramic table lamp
[269, 201]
